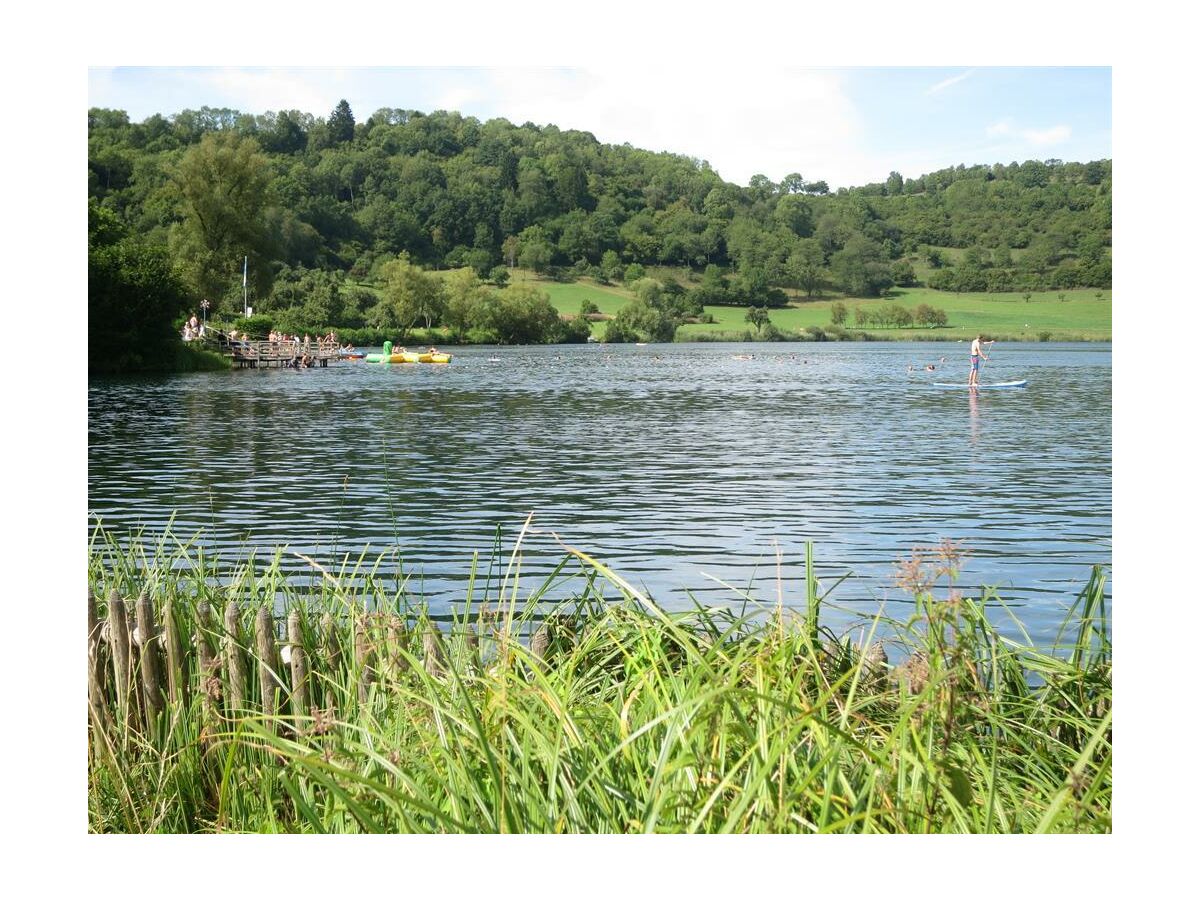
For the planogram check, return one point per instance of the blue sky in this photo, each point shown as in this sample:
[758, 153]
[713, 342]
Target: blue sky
[846, 126]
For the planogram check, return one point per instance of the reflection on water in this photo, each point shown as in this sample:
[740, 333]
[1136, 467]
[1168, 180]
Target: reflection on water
[973, 405]
[679, 464]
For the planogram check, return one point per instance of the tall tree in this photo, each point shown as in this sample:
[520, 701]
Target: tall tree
[410, 295]
[134, 298]
[222, 184]
[341, 123]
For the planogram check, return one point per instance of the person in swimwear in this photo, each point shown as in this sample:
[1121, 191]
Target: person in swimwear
[976, 355]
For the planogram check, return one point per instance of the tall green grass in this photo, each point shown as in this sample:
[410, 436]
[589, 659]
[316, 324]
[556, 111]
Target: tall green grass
[604, 713]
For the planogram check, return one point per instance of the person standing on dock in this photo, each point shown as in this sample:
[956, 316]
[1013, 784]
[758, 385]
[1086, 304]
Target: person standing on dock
[976, 354]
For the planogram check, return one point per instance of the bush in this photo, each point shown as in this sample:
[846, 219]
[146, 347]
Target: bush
[619, 332]
[929, 316]
[257, 326]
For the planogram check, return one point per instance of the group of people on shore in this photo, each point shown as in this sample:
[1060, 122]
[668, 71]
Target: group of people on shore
[193, 329]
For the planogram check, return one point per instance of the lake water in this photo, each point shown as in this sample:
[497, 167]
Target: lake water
[679, 465]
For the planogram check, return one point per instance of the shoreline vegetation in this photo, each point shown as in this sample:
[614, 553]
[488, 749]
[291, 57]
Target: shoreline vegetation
[589, 311]
[223, 698]
[405, 219]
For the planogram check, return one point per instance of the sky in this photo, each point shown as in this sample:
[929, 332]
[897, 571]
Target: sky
[846, 126]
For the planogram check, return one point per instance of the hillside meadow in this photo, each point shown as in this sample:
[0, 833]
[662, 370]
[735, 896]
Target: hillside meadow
[1073, 315]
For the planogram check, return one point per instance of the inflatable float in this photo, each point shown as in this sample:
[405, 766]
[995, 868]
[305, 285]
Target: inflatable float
[387, 356]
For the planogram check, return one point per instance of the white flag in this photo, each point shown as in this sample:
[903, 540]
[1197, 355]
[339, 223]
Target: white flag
[245, 263]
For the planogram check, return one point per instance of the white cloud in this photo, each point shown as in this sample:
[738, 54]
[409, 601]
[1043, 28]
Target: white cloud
[772, 122]
[259, 90]
[999, 129]
[942, 85]
[1056, 135]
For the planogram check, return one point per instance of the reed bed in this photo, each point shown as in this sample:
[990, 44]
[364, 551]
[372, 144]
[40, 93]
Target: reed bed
[224, 699]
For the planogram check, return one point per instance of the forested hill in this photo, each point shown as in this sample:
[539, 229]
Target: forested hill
[298, 192]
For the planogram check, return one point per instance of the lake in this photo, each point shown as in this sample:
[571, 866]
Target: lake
[680, 465]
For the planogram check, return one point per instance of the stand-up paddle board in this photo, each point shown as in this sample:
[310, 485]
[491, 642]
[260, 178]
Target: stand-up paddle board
[984, 387]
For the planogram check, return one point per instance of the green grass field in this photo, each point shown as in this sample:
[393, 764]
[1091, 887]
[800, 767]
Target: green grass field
[1079, 317]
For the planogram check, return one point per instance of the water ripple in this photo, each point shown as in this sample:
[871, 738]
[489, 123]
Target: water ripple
[672, 462]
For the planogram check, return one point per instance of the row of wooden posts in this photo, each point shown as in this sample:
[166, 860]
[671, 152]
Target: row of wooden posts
[136, 666]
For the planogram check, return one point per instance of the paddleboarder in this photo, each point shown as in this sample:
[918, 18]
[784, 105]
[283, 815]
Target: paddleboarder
[976, 354]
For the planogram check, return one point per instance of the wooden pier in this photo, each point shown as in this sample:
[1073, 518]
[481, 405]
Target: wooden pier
[248, 354]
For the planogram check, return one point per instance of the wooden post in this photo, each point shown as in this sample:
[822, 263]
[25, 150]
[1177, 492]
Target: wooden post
[362, 658]
[331, 645]
[264, 633]
[330, 656]
[397, 637]
[235, 664]
[300, 704]
[96, 708]
[209, 680]
[177, 681]
[435, 660]
[118, 636]
[540, 642]
[152, 693]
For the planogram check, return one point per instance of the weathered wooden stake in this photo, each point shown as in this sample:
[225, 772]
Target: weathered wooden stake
[363, 658]
[397, 637]
[235, 663]
[177, 682]
[540, 642]
[264, 633]
[118, 637]
[300, 702]
[151, 663]
[152, 693]
[97, 708]
[435, 660]
[208, 678]
[331, 647]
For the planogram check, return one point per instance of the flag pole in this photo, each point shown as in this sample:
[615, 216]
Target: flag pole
[245, 296]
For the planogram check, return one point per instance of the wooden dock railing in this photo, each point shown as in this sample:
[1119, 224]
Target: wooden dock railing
[274, 354]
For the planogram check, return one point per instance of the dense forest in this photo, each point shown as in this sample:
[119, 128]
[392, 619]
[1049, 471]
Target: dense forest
[323, 206]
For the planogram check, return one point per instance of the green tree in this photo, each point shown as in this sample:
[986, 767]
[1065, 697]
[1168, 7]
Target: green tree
[903, 274]
[792, 184]
[134, 298]
[837, 313]
[536, 250]
[859, 268]
[510, 249]
[410, 295]
[806, 266]
[466, 301]
[521, 314]
[758, 317]
[341, 123]
[222, 185]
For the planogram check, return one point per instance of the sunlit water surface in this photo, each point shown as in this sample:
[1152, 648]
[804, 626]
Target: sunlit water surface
[686, 469]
